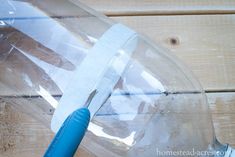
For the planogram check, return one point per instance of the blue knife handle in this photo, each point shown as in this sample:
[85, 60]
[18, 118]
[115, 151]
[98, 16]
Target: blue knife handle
[70, 135]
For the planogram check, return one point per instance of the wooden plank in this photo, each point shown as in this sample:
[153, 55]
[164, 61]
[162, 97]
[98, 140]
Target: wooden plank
[222, 106]
[161, 7]
[22, 136]
[205, 43]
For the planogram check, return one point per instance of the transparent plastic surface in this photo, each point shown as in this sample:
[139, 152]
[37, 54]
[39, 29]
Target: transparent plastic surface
[42, 44]
[156, 106]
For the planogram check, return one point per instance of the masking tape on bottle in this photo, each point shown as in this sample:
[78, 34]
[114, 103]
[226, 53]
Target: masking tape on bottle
[100, 70]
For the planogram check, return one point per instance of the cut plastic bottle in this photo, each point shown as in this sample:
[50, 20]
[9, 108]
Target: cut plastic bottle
[149, 103]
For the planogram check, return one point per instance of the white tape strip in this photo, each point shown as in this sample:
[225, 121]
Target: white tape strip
[230, 152]
[98, 72]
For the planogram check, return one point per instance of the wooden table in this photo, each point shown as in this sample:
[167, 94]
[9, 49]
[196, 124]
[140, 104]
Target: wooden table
[201, 33]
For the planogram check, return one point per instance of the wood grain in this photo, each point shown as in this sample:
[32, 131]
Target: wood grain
[22, 136]
[161, 7]
[222, 106]
[205, 43]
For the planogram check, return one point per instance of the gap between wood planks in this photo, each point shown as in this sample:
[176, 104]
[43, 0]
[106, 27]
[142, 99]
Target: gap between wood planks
[169, 13]
[161, 7]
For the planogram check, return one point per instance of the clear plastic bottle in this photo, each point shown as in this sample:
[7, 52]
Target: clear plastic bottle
[157, 107]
